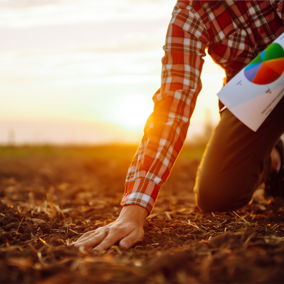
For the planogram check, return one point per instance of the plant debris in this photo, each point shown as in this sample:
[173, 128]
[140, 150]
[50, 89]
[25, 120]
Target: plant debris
[48, 201]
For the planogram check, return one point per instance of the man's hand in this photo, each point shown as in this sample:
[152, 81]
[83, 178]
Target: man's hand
[127, 230]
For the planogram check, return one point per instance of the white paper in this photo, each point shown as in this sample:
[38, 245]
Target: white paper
[254, 92]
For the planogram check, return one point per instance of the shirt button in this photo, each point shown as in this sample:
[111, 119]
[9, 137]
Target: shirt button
[261, 30]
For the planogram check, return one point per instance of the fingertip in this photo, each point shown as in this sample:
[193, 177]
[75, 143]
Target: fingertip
[128, 243]
[98, 248]
[78, 244]
[124, 245]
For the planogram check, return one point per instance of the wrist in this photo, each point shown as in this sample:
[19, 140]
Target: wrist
[135, 213]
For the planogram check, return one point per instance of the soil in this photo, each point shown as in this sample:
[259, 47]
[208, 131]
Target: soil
[47, 201]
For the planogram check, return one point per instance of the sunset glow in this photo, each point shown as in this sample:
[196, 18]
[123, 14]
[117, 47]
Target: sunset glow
[130, 112]
[94, 62]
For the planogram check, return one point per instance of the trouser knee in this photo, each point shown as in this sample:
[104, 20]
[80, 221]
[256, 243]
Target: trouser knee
[213, 194]
[235, 161]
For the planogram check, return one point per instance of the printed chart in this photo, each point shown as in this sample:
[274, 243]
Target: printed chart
[267, 67]
[254, 92]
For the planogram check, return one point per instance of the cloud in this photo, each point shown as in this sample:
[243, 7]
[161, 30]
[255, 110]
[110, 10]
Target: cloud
[79, 68]
[23, 14]
[110, 37]
[58, 131]
[116, 4]
[27, 4]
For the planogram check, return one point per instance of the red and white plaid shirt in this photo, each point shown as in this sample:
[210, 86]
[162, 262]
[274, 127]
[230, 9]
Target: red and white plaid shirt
[234, 32]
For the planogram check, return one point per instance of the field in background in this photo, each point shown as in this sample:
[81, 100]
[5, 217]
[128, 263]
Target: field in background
[49, 196]
[116, 151]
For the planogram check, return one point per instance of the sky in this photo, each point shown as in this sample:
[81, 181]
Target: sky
[85, 71]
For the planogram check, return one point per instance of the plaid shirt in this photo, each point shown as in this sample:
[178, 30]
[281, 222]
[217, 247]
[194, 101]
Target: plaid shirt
[234, 32]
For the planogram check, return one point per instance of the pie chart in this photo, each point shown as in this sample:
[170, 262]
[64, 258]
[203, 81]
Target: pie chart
[267, 67]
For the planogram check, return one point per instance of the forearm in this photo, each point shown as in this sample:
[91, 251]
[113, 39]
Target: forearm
[166, 128]
[153, 162]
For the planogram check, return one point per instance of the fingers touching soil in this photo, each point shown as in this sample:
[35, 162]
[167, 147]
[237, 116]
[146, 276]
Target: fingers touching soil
[47, 202]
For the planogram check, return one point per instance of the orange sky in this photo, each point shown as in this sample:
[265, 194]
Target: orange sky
[85, 71]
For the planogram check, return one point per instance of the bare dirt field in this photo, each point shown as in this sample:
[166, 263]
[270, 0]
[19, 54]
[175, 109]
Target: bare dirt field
[50, 196]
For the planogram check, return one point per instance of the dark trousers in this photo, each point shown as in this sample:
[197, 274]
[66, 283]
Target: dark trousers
[236, 161]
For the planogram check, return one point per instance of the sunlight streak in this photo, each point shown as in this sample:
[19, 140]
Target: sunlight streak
[130, 111]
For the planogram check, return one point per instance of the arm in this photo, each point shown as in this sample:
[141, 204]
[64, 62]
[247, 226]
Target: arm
[164, 133]
[166, 128]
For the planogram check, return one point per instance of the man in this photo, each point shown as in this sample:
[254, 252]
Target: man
[236, 159]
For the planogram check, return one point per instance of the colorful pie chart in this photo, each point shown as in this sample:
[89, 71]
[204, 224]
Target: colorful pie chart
[267, 67]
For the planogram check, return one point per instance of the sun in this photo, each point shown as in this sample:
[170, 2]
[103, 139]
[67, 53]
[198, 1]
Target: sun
[130, 111]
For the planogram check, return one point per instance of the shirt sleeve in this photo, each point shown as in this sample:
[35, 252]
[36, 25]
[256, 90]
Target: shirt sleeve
[166, 128]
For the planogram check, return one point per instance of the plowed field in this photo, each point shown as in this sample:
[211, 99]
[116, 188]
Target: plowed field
[50, 196]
